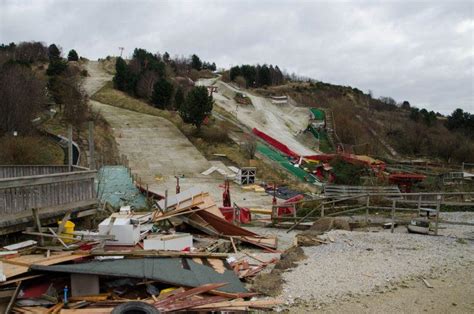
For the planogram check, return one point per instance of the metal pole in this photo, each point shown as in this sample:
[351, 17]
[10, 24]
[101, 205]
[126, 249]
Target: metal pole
[438, 207]
[392, 227]
[91, 146]
[69, 146]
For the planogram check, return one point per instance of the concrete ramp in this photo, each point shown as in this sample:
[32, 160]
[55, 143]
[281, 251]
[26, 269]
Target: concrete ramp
[155, 148]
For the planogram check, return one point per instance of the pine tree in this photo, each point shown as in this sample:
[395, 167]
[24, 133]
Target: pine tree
[166, 57]
[121, 74]
[72, 55]
[179, 98]
[197, 107]
[196, 63]
[162, 94]
[54, 53]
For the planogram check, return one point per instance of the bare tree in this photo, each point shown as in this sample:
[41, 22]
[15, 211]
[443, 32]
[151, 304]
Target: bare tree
[145, 84]
[250, 146]
[21, 97]
[30, 52]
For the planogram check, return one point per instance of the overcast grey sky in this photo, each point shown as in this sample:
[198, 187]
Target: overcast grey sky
[420, 51]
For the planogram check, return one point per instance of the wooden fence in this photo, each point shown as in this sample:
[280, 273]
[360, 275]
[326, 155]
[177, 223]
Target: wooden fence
[47, 188]
[376, 201]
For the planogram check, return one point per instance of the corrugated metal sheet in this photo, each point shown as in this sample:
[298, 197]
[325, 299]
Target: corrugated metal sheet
[177, 271]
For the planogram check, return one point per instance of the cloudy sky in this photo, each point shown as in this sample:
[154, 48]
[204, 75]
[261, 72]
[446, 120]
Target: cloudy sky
[419, 51]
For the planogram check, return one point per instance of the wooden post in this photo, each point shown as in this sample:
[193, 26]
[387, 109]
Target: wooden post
[322, 211]
[367, 204]
[38, 224]
[438, 207]
[166, 200]
[273, 214]
[419, 205]
[69, 146]
[392, 227]
[13, 299]
[62, 224]
[91, 146]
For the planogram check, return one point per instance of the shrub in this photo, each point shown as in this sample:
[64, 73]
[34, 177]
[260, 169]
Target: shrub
[29, 150]
[347, 173]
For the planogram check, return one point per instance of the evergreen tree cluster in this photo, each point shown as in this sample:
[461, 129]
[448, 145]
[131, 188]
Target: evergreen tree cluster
[143, 63]
[148, 76]
[423, 115]
[461, 120]
[57, 65]
[258, 76]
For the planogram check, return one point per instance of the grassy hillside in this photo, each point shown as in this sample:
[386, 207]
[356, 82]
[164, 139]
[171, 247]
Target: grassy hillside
[212, 139]
[362, 122]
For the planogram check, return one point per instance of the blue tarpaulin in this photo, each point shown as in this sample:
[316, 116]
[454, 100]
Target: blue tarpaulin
[115, 186]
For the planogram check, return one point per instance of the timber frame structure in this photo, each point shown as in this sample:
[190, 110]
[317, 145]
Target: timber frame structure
[50, 191]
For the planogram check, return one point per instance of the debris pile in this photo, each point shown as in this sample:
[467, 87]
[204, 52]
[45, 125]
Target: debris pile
[173, 258]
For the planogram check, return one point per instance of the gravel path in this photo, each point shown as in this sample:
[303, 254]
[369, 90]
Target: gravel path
[360, 263]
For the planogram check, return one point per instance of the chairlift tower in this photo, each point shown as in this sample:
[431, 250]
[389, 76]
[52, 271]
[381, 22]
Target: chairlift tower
[121, 51]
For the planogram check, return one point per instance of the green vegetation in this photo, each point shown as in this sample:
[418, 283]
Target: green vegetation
[162, 96]
[197, 106]
[157, 79]
[461, 121]
[179, 98]
[347, 173]
[411, 132]
[256, 76]
[72, 55]
[29, 150]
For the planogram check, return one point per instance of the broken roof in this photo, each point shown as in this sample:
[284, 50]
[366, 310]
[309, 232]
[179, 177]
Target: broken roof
[177, 271]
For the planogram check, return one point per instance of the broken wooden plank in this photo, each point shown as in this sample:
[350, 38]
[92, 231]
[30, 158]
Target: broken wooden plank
[106, 310]
[233, 244]
[427, 284]
[247, 304]
[20, 245]
[38, 224]
[178, 306]
[13, 298]
[58, 238]
[19, 279]
[62, 224]
[91, 298]
[188, 293]
[157, 253]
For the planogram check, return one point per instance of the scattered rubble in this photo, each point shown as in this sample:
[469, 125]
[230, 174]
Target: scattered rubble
[164, 259]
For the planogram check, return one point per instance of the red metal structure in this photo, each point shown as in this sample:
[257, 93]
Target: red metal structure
[405, 180]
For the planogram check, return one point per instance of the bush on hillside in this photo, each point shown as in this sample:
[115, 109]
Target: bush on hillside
[347, 173]
[29, 150]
